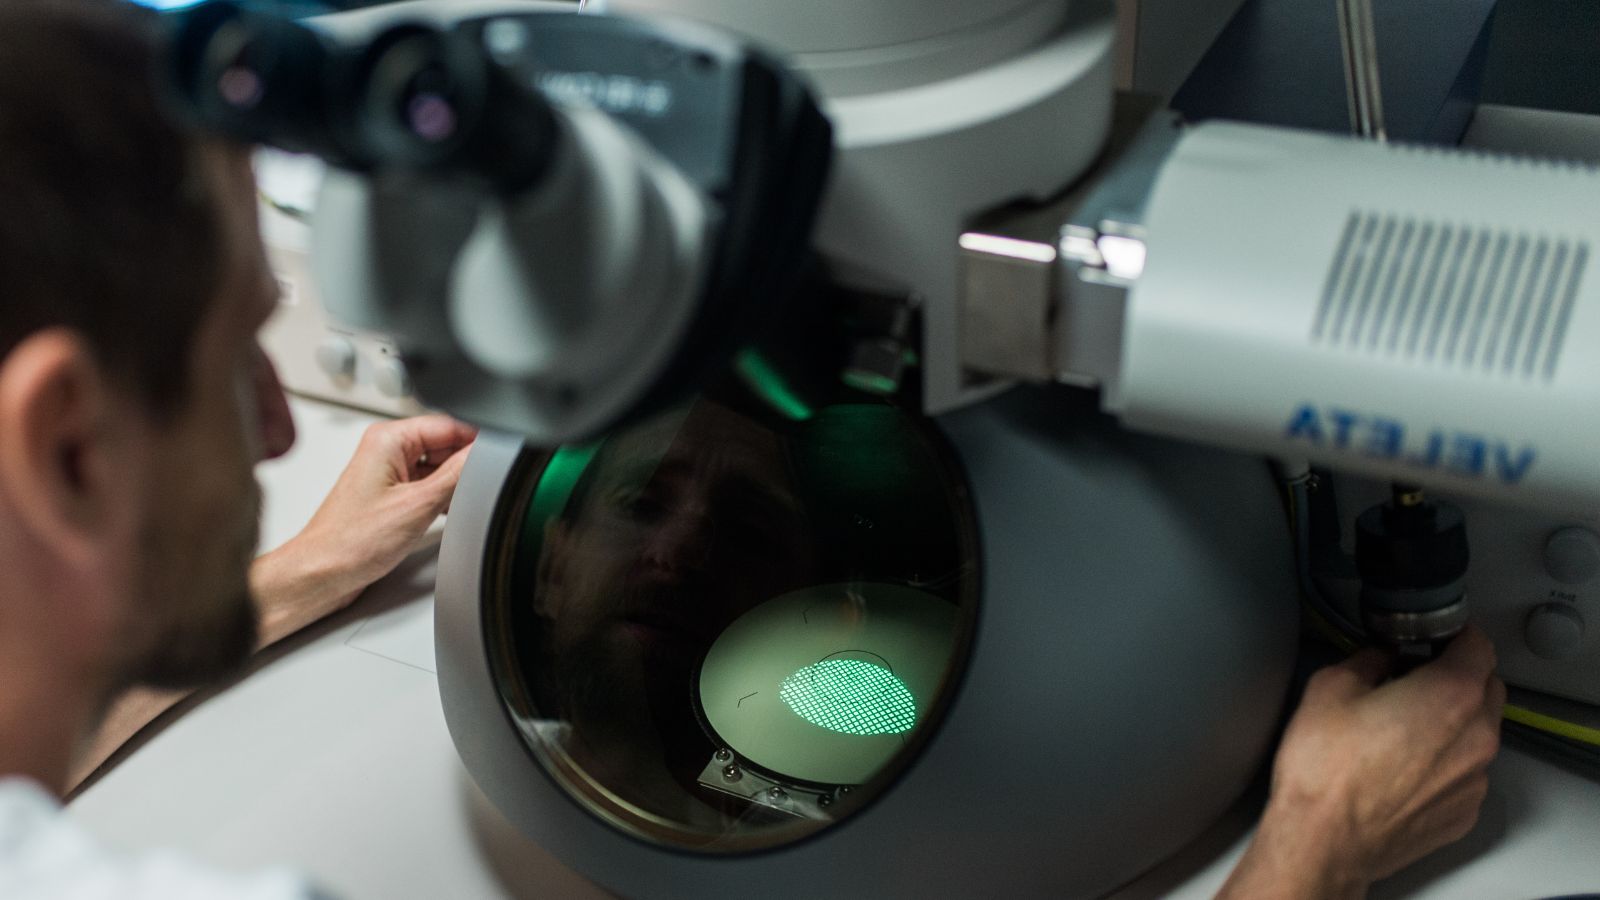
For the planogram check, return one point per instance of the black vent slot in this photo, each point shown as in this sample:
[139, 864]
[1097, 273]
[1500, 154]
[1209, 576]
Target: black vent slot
[1451, 296]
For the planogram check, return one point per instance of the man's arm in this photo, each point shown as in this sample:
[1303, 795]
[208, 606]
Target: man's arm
[1372, 776]
[400, 480]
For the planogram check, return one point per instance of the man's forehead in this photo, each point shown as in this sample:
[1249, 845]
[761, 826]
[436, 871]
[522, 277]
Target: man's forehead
[745, 461]
[230, 183]
[705, 437]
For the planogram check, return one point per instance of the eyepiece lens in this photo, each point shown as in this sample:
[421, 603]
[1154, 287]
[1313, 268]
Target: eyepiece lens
[241, 88]
[429, 104]
[431, 117]
[241, 66]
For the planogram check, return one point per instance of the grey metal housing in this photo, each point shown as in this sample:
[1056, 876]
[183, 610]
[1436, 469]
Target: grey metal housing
[1134, 645]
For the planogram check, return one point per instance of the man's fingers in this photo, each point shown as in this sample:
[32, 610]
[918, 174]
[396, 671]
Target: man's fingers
[1470, 652]
[431, 460]
[1459, 687]
[449, 472]
[1370, 666]
[1352, 678]
[414, 448]
[1494, 704]
[1453, 815]
[1472, 750]
[427, 435]
[441, 483]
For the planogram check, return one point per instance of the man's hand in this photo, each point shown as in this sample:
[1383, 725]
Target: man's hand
[400, 480]
[1372, 776]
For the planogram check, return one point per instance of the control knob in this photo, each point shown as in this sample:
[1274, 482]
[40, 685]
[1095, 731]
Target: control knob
[336, 356]
[1554, 631]
[1572, 555]
[392, 378]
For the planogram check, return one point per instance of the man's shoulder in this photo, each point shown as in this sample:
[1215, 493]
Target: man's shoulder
[44, 855]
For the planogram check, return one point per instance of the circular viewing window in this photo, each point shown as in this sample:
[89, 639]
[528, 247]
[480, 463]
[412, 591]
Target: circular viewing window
[722, 629]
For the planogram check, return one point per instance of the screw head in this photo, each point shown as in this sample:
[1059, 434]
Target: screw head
[731, 773]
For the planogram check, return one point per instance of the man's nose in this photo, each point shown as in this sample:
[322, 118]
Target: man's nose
[680, 545]
[277, 424]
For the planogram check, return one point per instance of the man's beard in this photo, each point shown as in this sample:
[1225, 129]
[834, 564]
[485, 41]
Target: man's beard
[210, 628]
[608, 694]
[192, 653]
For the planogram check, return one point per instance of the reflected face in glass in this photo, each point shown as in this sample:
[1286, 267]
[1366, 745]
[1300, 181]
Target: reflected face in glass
[680, 526]
[694, 602]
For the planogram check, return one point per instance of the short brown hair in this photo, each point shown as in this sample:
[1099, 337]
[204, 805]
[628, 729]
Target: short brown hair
[107, 226]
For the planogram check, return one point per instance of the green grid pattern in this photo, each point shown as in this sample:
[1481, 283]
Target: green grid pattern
[851, 697]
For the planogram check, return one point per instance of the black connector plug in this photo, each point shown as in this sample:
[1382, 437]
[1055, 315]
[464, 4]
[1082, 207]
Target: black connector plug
[1412, 556]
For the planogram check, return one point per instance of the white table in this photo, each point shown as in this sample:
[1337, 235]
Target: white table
[332, 755]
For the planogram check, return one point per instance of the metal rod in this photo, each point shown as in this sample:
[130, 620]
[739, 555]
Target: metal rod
[1363, 88]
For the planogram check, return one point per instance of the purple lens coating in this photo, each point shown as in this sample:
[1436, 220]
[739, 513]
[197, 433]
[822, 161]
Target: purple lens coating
[240, 87]
[431, 117]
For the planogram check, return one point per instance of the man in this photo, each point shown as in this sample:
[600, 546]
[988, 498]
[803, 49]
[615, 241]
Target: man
[134, 401]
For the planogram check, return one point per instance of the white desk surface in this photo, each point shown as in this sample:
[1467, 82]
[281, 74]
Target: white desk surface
[332, 756]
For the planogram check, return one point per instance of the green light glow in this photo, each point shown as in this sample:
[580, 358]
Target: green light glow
[551, 494]
[870, 382]
[851, 697]
[560, 476]
[765, 381]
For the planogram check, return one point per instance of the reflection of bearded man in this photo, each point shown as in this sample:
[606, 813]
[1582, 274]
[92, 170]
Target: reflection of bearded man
[680, 526]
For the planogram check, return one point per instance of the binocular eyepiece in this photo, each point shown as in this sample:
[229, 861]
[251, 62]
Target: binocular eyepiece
[413, 97]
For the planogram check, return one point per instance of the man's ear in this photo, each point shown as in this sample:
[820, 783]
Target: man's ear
[58, 465]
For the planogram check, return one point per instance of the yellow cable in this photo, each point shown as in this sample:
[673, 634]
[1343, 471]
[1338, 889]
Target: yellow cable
[1551, 725]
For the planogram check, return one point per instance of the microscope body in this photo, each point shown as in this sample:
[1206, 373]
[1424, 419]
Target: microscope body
[1399, 312]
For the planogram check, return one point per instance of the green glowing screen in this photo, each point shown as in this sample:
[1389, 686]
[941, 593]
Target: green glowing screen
[851, 697]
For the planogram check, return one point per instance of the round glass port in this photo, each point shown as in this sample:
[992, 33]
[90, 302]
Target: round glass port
[723, 629]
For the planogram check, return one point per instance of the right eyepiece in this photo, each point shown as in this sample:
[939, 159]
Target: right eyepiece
[432, 100]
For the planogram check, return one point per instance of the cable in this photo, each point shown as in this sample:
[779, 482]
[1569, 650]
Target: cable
[1567, 751]
[1561, 728]
[1298, 491]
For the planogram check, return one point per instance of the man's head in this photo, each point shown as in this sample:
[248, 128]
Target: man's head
[134, 399]
[681, 524]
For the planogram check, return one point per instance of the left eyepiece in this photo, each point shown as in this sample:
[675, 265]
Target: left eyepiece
[260, 77]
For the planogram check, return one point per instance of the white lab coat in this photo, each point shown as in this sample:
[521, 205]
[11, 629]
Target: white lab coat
[44, 855]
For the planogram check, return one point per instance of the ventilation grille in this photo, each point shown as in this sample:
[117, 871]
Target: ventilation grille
[1451, 296]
